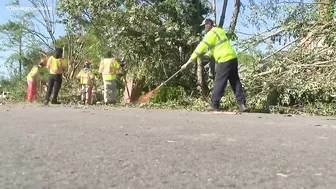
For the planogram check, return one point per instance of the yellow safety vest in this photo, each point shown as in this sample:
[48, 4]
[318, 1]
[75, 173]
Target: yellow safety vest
[34, 74]
[108, 68]
[85, 77]
[58, 66]
[218, 44]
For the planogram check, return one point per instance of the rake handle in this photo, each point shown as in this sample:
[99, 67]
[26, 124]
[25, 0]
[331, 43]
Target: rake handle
[171, 77]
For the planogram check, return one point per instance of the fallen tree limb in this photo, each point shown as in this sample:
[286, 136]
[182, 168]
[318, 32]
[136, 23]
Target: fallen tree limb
[262, 40]
[274, 53]
[317, 64]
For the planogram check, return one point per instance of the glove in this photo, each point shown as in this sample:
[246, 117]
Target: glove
[187, 65]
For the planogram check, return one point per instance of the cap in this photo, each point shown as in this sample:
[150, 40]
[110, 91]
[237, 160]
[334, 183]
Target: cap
[207, 21]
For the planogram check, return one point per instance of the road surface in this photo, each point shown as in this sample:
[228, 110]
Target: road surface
[68, 147]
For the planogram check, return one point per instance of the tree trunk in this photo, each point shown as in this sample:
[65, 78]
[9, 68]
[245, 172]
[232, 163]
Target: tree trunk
[200, 74]
[201, 84]
[75, 55]
[222, 17]
[234, 16]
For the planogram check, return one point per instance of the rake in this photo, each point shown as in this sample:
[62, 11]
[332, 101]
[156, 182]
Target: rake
[146, 98]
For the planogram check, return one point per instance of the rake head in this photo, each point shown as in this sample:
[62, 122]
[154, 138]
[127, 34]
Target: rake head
[146, 98]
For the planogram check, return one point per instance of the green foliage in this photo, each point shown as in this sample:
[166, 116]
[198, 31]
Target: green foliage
[17, 89]
[168, 93]
[149, 37]
[245, 59]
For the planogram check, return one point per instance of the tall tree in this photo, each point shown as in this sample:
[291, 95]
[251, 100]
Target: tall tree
[47, 18]
[15, 39]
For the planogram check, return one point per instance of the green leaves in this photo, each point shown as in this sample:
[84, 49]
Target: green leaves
[153, 31]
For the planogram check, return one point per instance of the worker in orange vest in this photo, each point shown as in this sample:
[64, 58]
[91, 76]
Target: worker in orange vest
[33, 80]
[86, 79]
[108, 68]
[57, 66]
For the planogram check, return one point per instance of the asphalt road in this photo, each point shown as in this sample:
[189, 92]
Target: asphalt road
[73, 148]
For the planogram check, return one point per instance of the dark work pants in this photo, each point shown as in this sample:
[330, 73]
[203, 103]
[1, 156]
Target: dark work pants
[227, 71]
[54, 83]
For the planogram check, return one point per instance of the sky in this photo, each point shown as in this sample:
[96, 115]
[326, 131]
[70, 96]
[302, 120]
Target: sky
[6, 13]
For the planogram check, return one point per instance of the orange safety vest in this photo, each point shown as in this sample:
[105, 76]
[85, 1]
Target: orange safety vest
[85, 77]
[108, 69]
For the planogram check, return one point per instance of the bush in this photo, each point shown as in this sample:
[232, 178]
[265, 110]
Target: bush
[169, 94]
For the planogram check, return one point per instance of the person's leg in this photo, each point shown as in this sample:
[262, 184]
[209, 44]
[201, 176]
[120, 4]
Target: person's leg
[222, 75]
[88, 94]
[236, 85]
[29, 91]
[57, 87]
[83, 94]
[114, 92]
[51, 80]
[106, 89]
[34, 92]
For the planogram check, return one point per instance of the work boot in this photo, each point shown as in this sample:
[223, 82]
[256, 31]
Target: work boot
[243, 108]
[55, 102]
[212, 109]
[46, 102]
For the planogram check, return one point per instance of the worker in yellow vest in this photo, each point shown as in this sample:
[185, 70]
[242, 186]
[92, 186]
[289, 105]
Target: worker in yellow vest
[33, 80]
[226, 64]
[57, 66]
[86, 79]
[108, 68]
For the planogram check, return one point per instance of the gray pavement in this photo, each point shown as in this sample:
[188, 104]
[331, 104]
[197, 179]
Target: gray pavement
[67, 147]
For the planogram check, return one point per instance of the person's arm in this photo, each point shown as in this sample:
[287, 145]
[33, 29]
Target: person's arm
[101, 66]
[33, 73]
[91, 78]
[64, 65]
[208, 41]
[117, 68]
[49, 63]
[91, 75]
[116, 65]
[79, 75]
[37, 82]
